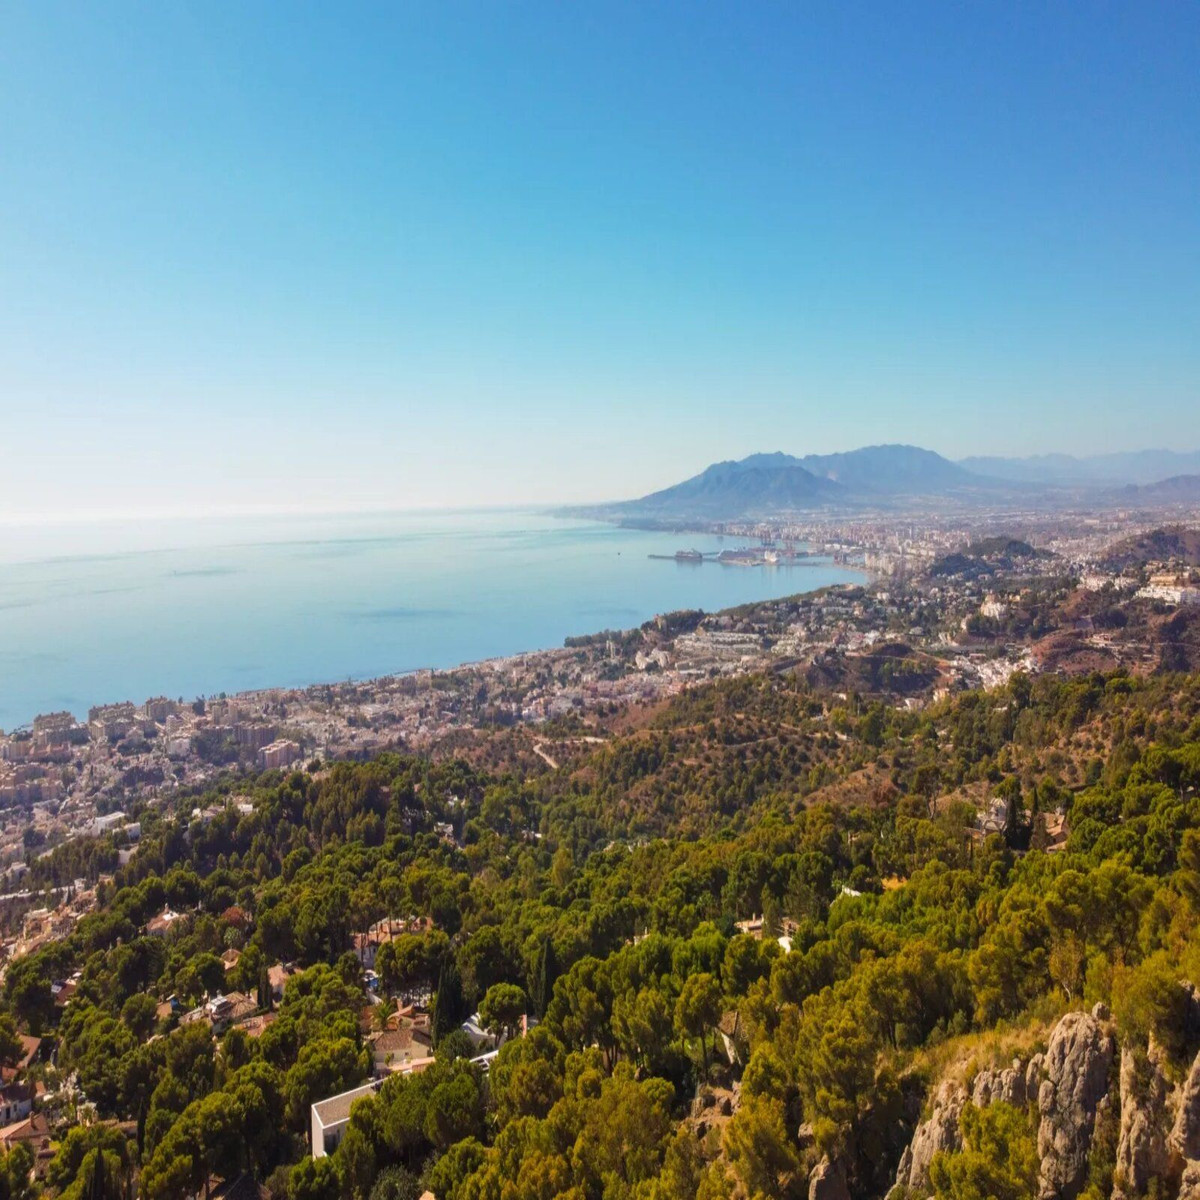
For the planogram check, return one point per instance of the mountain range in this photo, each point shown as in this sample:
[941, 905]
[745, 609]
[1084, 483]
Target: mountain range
[1126, 467]
[775, 484]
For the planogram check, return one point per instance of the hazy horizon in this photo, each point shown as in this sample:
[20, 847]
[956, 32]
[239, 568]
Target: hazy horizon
[440, 258]
[200, 513]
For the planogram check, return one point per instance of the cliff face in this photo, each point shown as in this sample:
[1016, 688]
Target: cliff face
[1076, 1069]
[1142, 1154]
[1074, 1088]
[938, 1132]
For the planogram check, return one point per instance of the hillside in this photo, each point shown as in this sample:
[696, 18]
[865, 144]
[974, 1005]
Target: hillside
[1178, 489]
[1178, 542]
[987, 557]
[961, 1012]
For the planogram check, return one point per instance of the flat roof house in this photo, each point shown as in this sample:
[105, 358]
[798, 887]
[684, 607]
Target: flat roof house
[330, 1117]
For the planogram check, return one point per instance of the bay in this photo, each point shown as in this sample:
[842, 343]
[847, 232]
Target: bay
[111, 610]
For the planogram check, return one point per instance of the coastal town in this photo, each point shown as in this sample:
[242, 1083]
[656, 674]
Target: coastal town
[944, 605]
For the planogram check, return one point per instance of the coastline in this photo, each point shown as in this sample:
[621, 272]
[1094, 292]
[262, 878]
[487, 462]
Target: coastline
[348, 600]
[60, 771]
[282, 693]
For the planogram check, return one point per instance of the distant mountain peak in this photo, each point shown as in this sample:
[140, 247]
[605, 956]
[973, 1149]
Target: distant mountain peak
[892, 469]
[1097, 470]
[773, 483]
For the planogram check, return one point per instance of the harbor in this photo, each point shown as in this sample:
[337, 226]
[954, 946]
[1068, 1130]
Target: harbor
[747, 556]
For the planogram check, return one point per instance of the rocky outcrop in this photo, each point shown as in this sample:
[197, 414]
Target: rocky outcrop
[1033, 1077]
[1005, 1086]
[1016, 1085]
[1078, 1061]
[1185, 1133]
[1189, 1185]
[1070, 1084]
[1142, 1153]
[828, 1181]
[939, 1131]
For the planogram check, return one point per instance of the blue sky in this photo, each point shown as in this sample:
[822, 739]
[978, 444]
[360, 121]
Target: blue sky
[326, 256]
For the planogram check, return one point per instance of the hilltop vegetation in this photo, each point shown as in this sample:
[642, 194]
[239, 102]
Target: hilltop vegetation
[676, 1056]
[988, 557]
[1174, 543]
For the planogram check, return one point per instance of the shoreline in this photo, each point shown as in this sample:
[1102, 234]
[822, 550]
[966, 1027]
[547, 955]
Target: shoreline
[491, 663]
[58, 774]
[451, 594]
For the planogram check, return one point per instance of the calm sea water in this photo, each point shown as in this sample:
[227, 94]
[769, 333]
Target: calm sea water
[103, 612]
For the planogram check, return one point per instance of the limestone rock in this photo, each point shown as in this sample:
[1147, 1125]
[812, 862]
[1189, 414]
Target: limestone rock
[1033, 1076]
[1191, 1028]
[828, 1181]
[1142, 1146]
[1185, 1133]
[1189, 1185]
[1077, 1065]
[938, 1132]
[1005, 1086]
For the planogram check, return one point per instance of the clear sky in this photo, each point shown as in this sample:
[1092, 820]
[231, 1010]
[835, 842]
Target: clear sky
[331, 255]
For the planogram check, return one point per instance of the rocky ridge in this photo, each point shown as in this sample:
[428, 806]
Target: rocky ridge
[1075, 1089]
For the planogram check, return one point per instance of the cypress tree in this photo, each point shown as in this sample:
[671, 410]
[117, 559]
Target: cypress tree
[1016, 832]
[544, 976]
[772, 926]
[448, 1002]
[97, 1187]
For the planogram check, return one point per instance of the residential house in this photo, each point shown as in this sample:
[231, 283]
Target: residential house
[34, 1132]
[277, 977]
[16, 1102]
[229, 1009]
[366, 945]
[258, 1024]
[30, 1049]
[161, 925]
[481, 1039]
[63, 989]
[393, 1049]
[330, 1118]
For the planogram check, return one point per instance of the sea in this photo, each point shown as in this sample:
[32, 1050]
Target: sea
[102, 611]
